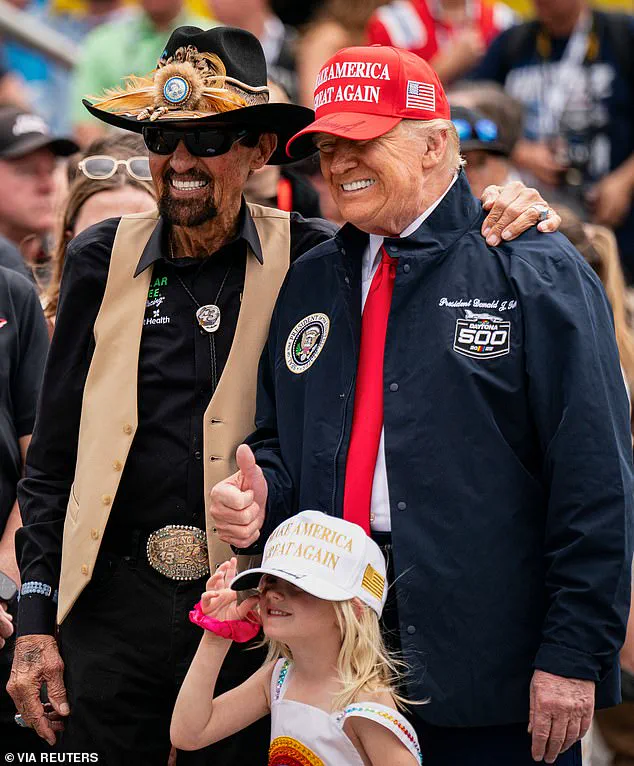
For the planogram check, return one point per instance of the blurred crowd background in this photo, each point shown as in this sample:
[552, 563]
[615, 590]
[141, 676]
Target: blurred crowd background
[537, 91]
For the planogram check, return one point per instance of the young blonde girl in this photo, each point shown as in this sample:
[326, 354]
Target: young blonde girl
[328, 682]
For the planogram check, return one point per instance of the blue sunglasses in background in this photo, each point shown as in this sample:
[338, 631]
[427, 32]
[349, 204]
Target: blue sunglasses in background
[484, 130]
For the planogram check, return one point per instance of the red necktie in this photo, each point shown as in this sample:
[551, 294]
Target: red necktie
[367, 418]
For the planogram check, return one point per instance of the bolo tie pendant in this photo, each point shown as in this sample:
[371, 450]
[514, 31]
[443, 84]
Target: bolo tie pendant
[208, 317]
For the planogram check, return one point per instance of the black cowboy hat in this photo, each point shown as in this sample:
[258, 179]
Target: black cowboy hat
[215, 77]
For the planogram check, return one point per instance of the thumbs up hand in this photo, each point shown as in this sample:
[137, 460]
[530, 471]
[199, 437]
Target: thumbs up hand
[238, 503]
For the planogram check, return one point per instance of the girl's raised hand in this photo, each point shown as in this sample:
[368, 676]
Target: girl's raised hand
[220, 602]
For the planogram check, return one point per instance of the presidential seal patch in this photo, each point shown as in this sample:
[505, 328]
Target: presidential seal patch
[305, 342]
[482, 336]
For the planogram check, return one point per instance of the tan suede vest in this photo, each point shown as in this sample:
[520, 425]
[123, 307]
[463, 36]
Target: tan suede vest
[109, 415]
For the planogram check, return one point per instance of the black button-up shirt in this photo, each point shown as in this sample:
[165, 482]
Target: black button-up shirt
[179, 365]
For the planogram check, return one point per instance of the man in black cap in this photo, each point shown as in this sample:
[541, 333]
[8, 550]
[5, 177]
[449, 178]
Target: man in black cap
[149, 388]
[28, 155]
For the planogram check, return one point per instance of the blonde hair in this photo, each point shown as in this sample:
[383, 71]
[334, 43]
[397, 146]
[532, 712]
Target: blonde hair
[364, 665]
[418, 129]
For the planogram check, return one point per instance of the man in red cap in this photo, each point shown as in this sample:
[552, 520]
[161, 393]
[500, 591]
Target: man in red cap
[448, 394]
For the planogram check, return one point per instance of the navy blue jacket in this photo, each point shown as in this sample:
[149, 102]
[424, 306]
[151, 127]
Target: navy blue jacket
[507, 444]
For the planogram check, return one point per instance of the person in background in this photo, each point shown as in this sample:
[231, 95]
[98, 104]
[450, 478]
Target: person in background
[452, 35]
[23, 349]
[494, 102]
[110, 179]
[28, 158]
[286, 188]
[277, 40]
[573, 70]
[485, 148]
[44, 84]
[335, 25]
[130, 44]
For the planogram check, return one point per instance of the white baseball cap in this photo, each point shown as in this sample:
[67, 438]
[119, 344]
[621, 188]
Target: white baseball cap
[325, 556]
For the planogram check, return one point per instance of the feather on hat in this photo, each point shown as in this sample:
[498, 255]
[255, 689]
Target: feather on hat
[215, 77]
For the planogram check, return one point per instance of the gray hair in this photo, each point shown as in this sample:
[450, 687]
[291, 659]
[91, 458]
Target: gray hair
[423, 128]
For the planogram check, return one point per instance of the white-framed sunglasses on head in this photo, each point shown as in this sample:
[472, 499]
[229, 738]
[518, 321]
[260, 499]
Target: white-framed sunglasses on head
[101, 166]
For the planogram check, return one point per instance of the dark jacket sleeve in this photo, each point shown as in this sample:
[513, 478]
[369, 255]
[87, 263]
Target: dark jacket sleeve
[581, 412]
[33, 342]
[50, 465]
[265, 442]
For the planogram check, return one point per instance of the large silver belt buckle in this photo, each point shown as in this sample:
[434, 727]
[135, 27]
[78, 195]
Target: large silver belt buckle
[179, 552]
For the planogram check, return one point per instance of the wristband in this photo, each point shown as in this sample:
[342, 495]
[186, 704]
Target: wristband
[240, 631]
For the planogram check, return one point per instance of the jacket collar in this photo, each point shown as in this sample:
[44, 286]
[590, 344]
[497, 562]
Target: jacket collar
[446, 224]
[155, 248]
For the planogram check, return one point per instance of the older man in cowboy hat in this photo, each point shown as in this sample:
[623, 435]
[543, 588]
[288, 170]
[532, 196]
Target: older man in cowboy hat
[464, 403]
[150, 386]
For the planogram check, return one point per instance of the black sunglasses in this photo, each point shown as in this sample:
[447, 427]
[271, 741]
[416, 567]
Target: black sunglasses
[199, 143]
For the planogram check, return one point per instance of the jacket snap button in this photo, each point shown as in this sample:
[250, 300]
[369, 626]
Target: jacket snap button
[393, 386]
[401, 506]
[406, 268]
[94, 533]
[127, 428]
[117, 465]
[84, 569]
[411, 629]
[106, 499]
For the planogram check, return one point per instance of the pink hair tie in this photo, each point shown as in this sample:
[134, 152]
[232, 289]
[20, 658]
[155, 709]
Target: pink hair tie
[240, 631]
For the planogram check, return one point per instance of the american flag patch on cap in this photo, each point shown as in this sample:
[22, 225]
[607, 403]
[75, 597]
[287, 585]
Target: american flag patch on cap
[373, 582]
[420, 95]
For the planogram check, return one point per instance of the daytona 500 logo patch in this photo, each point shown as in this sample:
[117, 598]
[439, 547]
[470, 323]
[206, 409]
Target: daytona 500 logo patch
[305, 342]
[482, 336]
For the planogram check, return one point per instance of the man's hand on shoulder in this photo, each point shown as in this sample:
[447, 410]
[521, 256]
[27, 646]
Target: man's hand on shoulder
[37, 661]
[561, 712]
[238, 503]
[513, 209]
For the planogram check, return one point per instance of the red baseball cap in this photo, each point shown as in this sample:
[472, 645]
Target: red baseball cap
[363, 92]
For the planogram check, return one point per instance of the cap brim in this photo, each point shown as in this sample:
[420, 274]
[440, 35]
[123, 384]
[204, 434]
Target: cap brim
[352, 125]
[492, 147]
[61, 147]
[282, 119]
[250, 579]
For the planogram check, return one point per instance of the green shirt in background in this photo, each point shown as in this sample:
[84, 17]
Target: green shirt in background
[130, 44]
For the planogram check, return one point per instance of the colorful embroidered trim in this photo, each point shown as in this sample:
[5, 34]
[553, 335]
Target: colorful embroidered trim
[281, 678]
[286, 751]
[392, 719]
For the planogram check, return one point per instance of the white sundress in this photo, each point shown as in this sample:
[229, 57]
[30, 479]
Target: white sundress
[303, 735]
